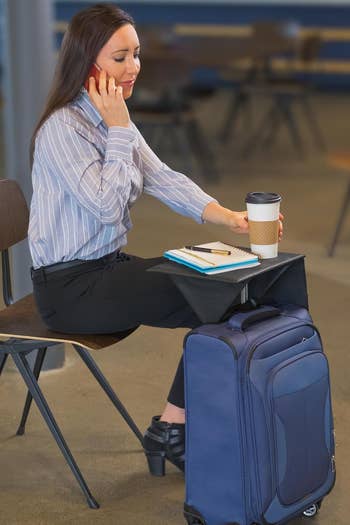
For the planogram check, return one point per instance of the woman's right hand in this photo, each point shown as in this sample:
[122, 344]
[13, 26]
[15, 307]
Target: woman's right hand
[109, 101]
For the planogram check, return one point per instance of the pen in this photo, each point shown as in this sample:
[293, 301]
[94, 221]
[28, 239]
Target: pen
[198, 257]
[245, 250]
[208, 250]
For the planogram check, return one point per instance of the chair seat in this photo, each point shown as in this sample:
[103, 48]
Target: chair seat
[22, 320]
[278, 87]
[162, 119]
[161, 107]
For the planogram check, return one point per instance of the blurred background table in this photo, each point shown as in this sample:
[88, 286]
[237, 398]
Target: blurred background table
[163, 105]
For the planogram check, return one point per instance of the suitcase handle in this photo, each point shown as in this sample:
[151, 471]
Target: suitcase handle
[242, 320]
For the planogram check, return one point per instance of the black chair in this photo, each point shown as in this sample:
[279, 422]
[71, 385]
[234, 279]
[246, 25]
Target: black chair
[268, 39]
[282, 90]
[25, 332]
[285, 91]
[163, 104]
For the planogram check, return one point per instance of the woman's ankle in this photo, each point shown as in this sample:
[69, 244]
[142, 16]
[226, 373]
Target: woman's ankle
[173, 414]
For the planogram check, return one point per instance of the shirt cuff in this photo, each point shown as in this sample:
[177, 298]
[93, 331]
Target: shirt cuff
[202, 203]
[120, 143]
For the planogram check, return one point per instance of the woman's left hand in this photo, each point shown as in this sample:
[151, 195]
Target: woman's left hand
[239, 223]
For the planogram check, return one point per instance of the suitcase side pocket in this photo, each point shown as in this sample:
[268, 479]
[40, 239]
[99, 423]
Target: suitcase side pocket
[299, 396]
[264, 361]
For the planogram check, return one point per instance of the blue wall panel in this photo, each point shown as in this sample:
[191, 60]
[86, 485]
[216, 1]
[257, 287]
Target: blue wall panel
[240, 14]
[338, 16]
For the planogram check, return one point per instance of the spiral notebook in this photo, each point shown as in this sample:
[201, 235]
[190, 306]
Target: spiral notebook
[211, 263]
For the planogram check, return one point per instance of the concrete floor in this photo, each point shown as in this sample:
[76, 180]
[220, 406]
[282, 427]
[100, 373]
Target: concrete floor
[36, 485]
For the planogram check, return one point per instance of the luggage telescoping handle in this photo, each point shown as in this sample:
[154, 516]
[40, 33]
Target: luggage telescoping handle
[242, 320]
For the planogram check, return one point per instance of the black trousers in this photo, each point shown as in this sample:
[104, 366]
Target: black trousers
[112, 294]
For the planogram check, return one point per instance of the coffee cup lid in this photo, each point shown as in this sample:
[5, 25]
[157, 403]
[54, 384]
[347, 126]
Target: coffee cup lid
[261, 197]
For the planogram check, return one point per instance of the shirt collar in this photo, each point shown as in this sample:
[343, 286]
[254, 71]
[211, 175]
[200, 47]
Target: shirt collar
[84, 102]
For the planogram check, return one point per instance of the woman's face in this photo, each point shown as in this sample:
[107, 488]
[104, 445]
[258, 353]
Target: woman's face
[120, 58]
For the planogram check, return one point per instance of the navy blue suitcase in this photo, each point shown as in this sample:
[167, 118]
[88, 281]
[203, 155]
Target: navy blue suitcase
[259, 426]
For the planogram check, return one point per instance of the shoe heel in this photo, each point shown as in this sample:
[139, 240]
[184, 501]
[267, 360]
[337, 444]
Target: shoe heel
[156, 463]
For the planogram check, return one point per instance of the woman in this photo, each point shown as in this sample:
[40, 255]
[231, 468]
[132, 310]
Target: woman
[90, 164]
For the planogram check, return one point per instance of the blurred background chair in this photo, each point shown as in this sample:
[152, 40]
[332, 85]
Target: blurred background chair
[284, 93]
[283, 89]
[340, 161]
[24, 332]
[163, 106]
[268, 39]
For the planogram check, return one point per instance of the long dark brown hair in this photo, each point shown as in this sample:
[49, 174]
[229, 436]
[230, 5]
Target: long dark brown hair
[89, 30]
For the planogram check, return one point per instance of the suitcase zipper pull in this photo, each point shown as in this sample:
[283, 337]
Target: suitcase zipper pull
[333, 464]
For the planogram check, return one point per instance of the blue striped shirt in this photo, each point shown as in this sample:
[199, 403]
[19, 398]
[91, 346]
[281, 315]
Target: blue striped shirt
[85, 179]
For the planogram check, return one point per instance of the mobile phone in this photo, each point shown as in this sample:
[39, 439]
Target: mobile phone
[94, 72]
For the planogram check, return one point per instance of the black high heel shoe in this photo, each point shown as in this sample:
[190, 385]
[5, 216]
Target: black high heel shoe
[164, 441]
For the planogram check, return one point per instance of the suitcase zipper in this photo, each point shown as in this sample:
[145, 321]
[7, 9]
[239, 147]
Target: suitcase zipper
[333, 467]
[257, 488]
[243, 429]
[272, 437]
[246, 492]
[275, 333]
[271, 411]
[258, 342]
[251, 426]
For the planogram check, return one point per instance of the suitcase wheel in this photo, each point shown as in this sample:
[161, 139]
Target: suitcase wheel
[193, 521]
[311, 511]
[192, 516]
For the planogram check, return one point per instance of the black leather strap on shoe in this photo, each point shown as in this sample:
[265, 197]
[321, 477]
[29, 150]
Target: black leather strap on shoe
[166, 437]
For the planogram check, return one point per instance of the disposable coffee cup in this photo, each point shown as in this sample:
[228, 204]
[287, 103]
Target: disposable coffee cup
[263, 218]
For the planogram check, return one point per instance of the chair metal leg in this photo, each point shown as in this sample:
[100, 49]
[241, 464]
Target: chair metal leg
[313, 123]
[158, 138]
[284, 105]
[248, 113]
[238, 101]
[182, 146]
[36, 372]
[253, 141]
[201, 150]
[179, 137]
[28, 376]
[3, 359]
[274, 125]
[92, 366]
[341, 218]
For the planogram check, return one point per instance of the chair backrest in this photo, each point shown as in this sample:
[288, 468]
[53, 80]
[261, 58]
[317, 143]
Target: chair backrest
[272, 38]
[161, 66]
[310, 48]
[161, 72]
[275, 36]
[14, 214]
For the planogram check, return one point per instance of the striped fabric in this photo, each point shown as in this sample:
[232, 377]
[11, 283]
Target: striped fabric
[85, 179]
